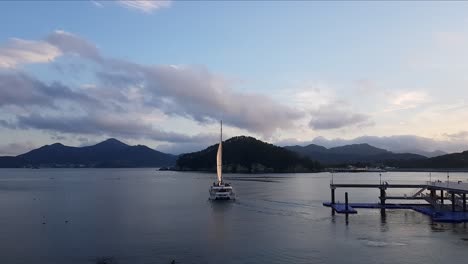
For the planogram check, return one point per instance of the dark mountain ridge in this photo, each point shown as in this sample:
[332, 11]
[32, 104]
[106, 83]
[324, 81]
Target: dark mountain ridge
[350, 154]
[241, 154]
[448, 161]
[109, 153]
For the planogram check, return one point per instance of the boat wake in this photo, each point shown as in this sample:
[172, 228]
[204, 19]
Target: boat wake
[376, 243]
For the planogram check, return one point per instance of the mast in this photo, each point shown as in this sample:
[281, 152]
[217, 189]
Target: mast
[219, 156]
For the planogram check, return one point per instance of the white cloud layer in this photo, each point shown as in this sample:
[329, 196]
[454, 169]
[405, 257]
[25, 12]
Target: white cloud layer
[124, 97]
[410, 99]
[146, 6]
[19, 51]
[334, 116]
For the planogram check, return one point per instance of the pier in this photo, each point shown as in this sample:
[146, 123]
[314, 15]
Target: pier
[442, 201]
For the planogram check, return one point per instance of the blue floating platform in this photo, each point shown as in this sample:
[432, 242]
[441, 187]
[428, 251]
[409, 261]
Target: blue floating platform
[342, 209]
[437, 216]
[444, 216]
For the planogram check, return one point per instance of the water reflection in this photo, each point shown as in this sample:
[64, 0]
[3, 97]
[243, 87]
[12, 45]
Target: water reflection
[383, 217]
[221, 206]
[220, 214]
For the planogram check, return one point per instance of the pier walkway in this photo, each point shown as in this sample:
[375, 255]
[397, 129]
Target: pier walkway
[445, 201]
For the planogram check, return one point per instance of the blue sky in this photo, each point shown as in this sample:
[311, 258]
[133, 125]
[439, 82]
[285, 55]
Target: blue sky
[285, 72]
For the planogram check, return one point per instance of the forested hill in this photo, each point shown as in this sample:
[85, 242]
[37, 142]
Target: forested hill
[247, 154]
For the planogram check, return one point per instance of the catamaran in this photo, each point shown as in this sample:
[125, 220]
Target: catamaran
[221, 190]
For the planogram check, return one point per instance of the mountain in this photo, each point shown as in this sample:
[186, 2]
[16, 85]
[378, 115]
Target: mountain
[397, 144]
[307, 149]
[358, 149]
[448, 161]
[429, 154]
[247, 154]
[109, 153]
[351, 154]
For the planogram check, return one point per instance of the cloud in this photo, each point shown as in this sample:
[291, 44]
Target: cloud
[22, 90]
[13, 149]
[19, 51]
[122, 90]
[73, 44]
[457, 136]
[410, 99]
[91, 115]
[145, 6]
[109, 125]
[199, 94]
[334, 116]
[196, 93]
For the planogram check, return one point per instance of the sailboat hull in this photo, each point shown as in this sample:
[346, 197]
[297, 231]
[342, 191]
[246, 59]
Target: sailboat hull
[222, 192]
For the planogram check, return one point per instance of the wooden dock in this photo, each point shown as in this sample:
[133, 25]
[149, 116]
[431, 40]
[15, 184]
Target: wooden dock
[445, 201]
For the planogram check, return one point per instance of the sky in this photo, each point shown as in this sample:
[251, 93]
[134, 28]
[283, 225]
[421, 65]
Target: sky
[163, 73]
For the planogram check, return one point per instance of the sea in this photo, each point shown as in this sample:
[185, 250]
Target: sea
[146, 216]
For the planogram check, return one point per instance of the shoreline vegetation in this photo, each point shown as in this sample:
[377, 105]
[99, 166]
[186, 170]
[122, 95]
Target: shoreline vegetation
[242, 154]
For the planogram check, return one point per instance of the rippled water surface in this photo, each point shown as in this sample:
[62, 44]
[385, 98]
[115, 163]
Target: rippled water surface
[146, 216]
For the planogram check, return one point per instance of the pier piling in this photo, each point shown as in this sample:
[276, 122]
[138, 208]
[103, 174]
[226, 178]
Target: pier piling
[333, 195]
[346, 201]
[464, 202]
[453, 201]
[433, 198]
[441, 196]
[382, 197]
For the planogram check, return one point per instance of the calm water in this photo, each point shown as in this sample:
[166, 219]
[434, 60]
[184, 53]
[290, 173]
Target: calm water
[145, 216]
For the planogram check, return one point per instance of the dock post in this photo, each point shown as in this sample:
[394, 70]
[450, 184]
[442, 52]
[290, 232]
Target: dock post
[433, 198]
[382, 196]
[464, 202]
[333, 195]
[441, 196]
[346, 200]
[382, 200]
[453, 201]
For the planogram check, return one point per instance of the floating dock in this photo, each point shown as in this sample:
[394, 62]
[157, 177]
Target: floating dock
[343, 208]
[445, 201]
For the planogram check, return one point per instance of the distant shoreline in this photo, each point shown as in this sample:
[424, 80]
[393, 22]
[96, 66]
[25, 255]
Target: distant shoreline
[430, 170]
[240, 173]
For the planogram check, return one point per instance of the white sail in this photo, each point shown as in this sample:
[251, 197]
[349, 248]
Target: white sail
[219, 157]
[219, 162]
[221, 190]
